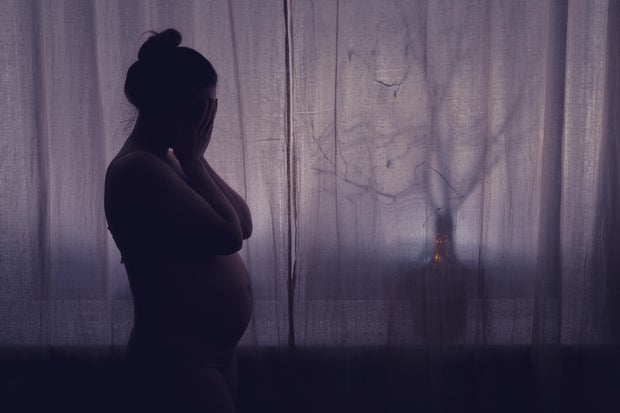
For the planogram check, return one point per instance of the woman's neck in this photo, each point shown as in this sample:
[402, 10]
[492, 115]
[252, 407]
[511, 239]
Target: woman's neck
[149, 137]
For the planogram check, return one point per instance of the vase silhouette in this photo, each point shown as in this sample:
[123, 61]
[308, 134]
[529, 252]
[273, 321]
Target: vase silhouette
[439, 302]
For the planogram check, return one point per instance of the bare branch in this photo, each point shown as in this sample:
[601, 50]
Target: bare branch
[424, 163]
[365, 187]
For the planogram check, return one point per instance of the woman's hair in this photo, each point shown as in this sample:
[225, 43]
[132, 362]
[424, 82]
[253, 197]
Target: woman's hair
[166, 73]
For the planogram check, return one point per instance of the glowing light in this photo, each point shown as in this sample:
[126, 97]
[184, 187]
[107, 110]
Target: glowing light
[442, 244]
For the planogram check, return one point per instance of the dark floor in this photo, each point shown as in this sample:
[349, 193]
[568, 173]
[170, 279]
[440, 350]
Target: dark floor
[378, 379]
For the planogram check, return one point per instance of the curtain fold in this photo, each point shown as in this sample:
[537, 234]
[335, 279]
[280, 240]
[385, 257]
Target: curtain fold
[419, 172]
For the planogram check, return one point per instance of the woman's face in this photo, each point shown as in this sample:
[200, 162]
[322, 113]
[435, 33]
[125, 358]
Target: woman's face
[199, 102]
[202, 95]
[191, 113]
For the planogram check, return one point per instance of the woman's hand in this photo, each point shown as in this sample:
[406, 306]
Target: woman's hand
[191, 145]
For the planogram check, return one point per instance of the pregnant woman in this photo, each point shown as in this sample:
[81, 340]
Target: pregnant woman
[178, 226]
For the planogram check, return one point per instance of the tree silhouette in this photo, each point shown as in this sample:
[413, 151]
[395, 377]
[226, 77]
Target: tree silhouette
[447, 60]
[450, 67]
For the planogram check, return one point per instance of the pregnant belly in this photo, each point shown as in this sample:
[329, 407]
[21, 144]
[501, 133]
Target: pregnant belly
[199, 305]
[223, 301]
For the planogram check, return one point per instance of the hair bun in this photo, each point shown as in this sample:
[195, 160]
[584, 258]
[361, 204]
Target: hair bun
[159, 43]
[173, 72]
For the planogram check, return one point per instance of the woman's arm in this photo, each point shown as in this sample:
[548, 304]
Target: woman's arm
[238, 203]
[189, 150]
[171, 214]
[203, 181]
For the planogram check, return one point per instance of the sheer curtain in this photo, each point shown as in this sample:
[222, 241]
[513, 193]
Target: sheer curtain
[420, 172]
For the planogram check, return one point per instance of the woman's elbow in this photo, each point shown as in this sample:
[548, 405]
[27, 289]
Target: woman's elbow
[247, 231]
[229, 244]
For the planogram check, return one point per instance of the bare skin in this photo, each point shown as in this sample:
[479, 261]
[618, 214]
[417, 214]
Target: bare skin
[179, 227]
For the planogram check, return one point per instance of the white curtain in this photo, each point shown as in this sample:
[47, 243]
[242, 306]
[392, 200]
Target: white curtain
[440, 172]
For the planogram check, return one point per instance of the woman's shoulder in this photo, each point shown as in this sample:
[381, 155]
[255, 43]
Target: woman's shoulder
[133, 157]
[129, 163]
[134, 178]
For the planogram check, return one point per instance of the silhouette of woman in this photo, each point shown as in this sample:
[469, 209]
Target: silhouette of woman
[178, 226]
